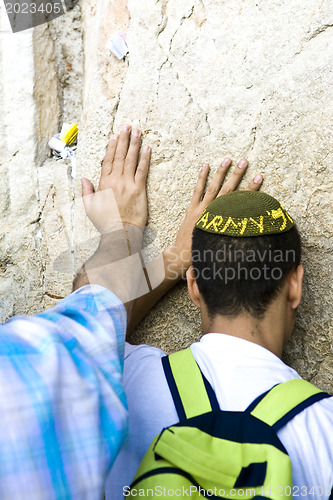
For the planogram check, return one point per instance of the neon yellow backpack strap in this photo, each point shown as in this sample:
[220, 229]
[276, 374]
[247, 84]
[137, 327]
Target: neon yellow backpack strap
[279, 405]
[186, 384]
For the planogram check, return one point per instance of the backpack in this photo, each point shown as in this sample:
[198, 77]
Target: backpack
[221, 454]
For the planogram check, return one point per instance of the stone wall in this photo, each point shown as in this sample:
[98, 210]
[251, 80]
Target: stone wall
[203, 79]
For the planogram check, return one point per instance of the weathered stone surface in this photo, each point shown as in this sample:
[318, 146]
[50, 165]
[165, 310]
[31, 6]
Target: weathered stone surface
[203, 79]
[20, 276]
[36, 192]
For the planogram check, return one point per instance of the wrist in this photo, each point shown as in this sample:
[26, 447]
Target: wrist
[175, 262]
[134, 236]
[129, 239]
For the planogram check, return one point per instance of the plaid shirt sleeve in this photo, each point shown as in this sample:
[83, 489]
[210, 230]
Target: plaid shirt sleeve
[63, 415]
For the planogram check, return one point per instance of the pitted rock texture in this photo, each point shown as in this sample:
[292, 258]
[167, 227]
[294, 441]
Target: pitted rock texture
[203, 79]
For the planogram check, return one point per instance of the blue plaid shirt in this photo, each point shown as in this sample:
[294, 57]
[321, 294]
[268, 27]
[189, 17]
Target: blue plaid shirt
[63, 415]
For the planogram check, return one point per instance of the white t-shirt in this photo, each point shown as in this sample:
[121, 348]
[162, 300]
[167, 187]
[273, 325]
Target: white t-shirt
[239, 371]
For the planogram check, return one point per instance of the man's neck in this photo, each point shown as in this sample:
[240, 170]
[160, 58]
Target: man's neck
[267, 332]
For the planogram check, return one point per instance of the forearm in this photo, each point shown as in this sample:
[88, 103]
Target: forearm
[71, 365]
[143, 304]
[116, 265]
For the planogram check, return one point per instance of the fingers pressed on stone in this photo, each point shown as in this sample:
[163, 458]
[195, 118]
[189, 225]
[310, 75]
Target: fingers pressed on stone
[122, 149]
[200, 185]
[215, 185]
[256, 183]
[142, 170]
[235, 177]
[133, 152]
[109, 155]
[226, 163]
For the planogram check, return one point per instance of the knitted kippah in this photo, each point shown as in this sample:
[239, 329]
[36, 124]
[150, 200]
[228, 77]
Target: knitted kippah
[245, 213]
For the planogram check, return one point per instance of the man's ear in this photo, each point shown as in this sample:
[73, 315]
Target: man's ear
[295, 286]
[192, 287]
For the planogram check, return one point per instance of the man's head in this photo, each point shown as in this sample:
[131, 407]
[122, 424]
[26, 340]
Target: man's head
[246, 253]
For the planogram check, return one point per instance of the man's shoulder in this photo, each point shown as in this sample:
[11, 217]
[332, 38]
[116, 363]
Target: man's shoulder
[322, 411]
[143, 369]
[136, 352]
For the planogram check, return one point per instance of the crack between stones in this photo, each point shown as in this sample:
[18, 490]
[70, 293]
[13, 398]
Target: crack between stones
[39, 233]
[41, 209]
[127, 61]
[165, 18]
[254, 129]
[205, 114]
[183, 19]
[312, 36]
[318, 31]
[71, 237]
[310, 199]
[116, 106]
[254, 134]
[115, 109]
[52, 296]
[164, 23]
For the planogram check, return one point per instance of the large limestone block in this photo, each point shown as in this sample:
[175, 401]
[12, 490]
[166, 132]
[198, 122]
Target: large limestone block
[29, 117]
[20, 262]
[206, 79]
[203, 79]
[57, 205]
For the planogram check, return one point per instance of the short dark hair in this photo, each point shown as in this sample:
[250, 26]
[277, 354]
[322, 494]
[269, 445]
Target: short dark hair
[250, 274]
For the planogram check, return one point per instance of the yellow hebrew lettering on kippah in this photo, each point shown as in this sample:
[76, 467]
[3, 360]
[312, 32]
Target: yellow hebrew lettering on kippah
[277, 214]
[244, 224]
[259, 224]
[227, 224]
[290, 218]
[286, 213]
[203, 220]
[215, 222]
